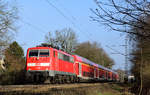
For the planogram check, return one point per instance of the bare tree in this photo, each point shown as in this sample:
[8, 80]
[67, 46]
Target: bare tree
[123, 15]
[132, 17]
[65, 39]
[8, 16]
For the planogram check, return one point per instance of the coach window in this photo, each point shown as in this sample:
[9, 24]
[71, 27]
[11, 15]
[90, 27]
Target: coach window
[106, 74]
[54, 53]
[66, 58]
[113, 75]
[84, 73]
[71, 59]
[60, 56]
[103, 73]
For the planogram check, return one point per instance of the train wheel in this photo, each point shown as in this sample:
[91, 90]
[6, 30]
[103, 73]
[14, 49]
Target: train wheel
[72, 79]
[53, 81]
[78, 79]
[63, 79]
[75, 79]
[59, 79]
[41, 79]
[35, 79]
[47, 80]
[69, 79]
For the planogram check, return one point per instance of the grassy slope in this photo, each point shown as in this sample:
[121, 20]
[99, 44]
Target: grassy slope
[112, 89]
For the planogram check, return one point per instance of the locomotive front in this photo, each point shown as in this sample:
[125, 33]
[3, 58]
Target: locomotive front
[38, 61]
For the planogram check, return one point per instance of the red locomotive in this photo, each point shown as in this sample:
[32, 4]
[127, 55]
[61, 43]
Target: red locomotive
[47, 63]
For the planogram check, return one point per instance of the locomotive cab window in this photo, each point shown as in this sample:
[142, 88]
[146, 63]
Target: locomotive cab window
[44, 53]
[33, 53]
[40, 53]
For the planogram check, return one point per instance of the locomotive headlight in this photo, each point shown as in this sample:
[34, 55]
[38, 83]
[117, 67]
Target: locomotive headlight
[45, 64]
[38, 64]
[31, 64]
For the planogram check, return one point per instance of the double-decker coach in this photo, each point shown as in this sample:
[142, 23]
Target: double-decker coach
[86, 70]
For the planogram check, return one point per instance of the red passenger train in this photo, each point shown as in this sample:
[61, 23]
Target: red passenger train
[47, 63]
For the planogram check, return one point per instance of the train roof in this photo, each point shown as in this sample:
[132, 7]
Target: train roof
[110, 70]
[82, 59]
[78, 58]
[42, 47]
[102, 67]
[39, 48]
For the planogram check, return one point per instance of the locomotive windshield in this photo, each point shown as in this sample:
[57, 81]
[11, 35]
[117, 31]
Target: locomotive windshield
[39, 53]
[33, 53]
[44, 53]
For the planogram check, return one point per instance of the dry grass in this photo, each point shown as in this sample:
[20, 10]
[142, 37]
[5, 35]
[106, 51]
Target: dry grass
[64, 89]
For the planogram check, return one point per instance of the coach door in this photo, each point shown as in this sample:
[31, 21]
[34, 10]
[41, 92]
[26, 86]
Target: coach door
[94, 72]
[80, 69]
[97, 71]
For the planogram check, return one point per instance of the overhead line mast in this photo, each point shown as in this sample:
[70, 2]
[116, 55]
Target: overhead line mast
[126, 55]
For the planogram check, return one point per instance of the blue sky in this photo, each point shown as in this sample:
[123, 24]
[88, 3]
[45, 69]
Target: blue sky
[37, 17]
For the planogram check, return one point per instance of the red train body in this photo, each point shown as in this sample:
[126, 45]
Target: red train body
[58, 66]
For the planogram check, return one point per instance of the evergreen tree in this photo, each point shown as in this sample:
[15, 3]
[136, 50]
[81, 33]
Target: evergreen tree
[15, 62]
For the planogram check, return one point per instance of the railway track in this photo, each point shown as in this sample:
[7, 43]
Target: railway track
[45, 87]
[64, 89]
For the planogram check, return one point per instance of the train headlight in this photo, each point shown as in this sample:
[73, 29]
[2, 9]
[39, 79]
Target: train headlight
[31, 64]
[45, 64]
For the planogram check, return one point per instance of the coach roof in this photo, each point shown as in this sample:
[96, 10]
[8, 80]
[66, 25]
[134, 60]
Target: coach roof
[82, 59]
